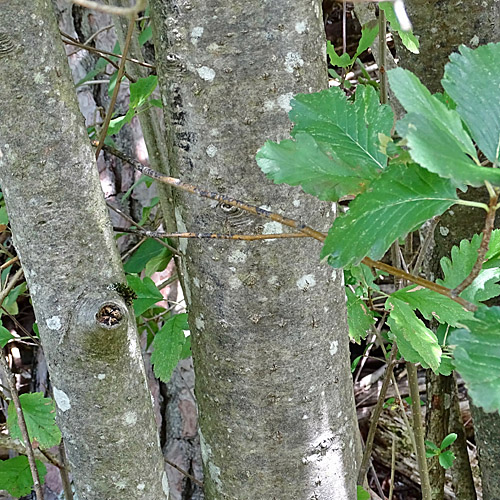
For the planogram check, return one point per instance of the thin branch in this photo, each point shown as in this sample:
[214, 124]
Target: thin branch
[103, 53]
[425, 244]
[393, 467]
[213, 236]
[5, 265]
[68, 492]
[418, 429]
[132, 221]
[187, 474]
[11, 380]
[21, 327]
[382, 51]
[121, 71]
[483, 249]
[375, 417]
[110, 9]
[317, 235]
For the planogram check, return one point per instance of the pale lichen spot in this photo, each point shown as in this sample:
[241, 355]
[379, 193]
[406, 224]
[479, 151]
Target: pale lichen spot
[182, 228]
[130, 418]
[234, 283]
[207, 457]
[164, 484]
[305, 282]
[300, 27]
[334, 347]
[293, 61]
[444, 231]
[53, 323]
[101, 376]
[237, 257]
[61, 399]
[284, 101]
[272, 228]
[269, 105]
[39, 78]
[296, 203]
[200, 324]
[141, 486]
[211, 150]
[196, 34]
[305, 417]
[474, 41]
[196, 282]
[206, 73]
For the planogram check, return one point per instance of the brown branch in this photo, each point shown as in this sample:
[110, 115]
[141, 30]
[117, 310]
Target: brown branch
[213, 236]
[114, 97]
[75, 43]
[375, 416]
[9, 263]
[317, 235]
[483, 248]
[187, 474]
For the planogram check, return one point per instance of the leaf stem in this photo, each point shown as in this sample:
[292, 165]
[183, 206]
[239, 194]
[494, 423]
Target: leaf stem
[483, 248]
[418, 430]
[469, 203]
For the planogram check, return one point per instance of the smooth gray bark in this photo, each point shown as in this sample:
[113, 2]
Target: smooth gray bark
[267, 319]
[65, 241]
[442, 26]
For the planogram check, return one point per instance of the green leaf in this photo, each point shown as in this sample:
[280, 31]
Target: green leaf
[362, 494]
[5, 336]
[456, 269]
[40, 416]
[446, 459]
[10, 303]
[15, 475]
[156, 103]
[145, 35]
[359, 318]
[398, 202]
[477, 356]
[116, 124]
[342, 61]
[138, 260]
[335, 151]
[369, 32]
[472, 80]
[159, 262]
[433, 305]
[169, 346]
[4, 218]
[147, 293]
[448, 440]
[431, 449]
[141, 90]
[435, 134]
[416, 342]
[410, 41]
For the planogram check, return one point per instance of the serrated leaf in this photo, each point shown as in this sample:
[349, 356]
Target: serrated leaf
[141, 90]
[446, 459]
[169, 346]
[349, 128]
[416, 342]
[359, 318]
[15, 475]
[459, 266]
[472, 80]
[433, 305]
[5, 335]
[435, 134]
[335, 149]
[477, 356]
[147, 293]
[410, 41]
[138, 260]
[40, 416]
[399, 201]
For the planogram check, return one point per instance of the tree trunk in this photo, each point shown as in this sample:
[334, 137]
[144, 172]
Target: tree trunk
[267, 320]
[442, 27]
[62, 233]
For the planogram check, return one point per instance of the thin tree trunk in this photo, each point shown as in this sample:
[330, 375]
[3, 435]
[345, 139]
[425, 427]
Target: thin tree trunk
[62, 233]
[442, 26]
[267, 320]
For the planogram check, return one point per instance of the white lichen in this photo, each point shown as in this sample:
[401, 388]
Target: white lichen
[293, 61]
[284, 101]
[206, 73]
[211, 150]
[305, 282]
[61, 399]
[237, 257]
[334, 347]
[196, 34]
[53, 323]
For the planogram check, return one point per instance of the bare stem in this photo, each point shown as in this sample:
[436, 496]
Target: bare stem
[187, 474]
[375, 416]
[111, 9]
[418, 430]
